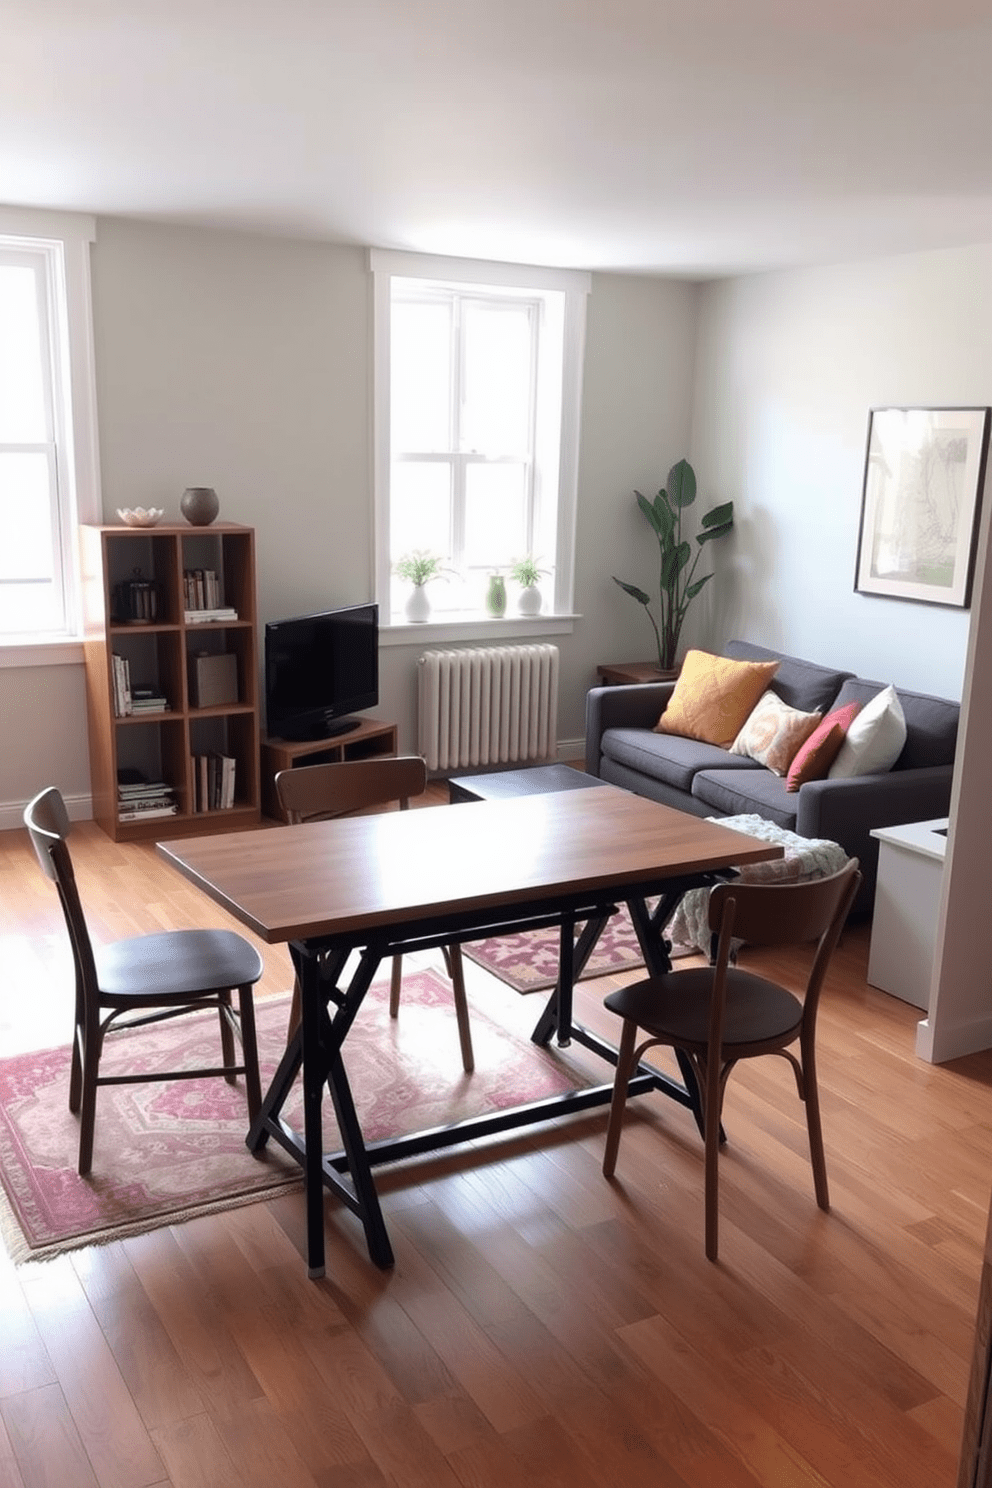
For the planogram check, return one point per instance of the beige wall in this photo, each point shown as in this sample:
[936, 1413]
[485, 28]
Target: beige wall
[243, 363]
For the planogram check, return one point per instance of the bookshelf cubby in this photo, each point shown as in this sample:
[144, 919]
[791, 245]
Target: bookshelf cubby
[135, 607]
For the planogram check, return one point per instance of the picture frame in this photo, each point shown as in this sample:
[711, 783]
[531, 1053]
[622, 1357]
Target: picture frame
[920, 502]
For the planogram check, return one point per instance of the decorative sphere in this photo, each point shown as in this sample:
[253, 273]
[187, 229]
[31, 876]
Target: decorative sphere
[199, 505]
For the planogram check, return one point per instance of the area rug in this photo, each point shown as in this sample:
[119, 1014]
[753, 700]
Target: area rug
[529, 962]
[168, 1152]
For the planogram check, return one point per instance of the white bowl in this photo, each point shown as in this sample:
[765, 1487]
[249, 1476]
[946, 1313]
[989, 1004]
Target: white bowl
[140, 516]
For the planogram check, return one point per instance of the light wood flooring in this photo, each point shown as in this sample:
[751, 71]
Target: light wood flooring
[542, 1326]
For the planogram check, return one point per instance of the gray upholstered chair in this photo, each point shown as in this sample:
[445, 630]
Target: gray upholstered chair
[719, 1014]
[321, 792]
[144, 979]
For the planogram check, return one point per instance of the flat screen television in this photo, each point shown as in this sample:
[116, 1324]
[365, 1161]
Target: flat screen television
[319, 669]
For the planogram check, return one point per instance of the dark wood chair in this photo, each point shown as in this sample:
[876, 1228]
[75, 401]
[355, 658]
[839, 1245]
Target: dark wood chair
[144, 979]
[716, 1015]
[321, 792]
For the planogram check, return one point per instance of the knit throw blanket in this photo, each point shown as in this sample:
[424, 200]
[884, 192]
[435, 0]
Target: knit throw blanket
[805, 858]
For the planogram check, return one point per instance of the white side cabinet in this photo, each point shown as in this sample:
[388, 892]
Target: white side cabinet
[907, 897]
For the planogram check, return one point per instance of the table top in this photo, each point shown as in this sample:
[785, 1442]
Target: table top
[366, 872]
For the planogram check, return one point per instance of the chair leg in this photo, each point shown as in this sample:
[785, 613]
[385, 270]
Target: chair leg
[90, 1064]
[625, 1068]
[453, 956]
[228, 1051]
[76, 1070]
[395, 978]
[249, 1051]
[811, 1099]
[711, 1116]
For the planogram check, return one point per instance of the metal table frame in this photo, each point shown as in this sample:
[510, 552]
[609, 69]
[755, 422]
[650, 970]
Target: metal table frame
[329, 1010]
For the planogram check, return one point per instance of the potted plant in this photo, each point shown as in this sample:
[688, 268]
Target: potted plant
[419, 567]
[677, 586]
[526, 573]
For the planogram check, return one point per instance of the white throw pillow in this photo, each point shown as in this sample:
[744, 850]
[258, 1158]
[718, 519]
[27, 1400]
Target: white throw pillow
[875, 739]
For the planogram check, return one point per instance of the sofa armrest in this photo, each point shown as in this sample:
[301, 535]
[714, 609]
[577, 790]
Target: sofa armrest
[638, 706]
[846, 810]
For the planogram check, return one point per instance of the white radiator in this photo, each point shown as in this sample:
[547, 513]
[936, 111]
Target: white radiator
[488, 706]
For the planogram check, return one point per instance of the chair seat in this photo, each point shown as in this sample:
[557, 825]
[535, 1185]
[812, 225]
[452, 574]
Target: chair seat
[676, 1007]
[176, 963]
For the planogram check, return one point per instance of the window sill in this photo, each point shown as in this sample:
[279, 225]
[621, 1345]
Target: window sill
[40, 653]
[484, 628]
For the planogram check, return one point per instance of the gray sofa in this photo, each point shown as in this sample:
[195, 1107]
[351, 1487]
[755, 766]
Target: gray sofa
[622, 747]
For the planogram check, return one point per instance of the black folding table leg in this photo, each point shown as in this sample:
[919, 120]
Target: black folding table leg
[367, 1206]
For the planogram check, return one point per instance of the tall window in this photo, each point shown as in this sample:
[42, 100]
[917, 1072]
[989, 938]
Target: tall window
[478, 373]
[47, 461]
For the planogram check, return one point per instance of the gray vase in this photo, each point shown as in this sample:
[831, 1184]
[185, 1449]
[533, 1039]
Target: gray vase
[199, 505]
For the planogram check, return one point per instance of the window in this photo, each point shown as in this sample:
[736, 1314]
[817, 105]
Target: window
[478, 378]
[47, 445]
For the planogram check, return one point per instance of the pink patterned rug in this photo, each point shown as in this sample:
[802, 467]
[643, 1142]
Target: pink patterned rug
[167, 1152]
[529, 962]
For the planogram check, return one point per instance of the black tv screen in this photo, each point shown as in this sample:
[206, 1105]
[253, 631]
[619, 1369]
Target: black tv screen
[319, 669]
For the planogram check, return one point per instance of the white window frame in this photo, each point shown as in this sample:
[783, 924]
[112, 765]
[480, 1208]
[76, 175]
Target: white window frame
[474, 273]
[63, 241]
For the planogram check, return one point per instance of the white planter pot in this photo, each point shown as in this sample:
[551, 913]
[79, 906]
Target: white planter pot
[418, 604]
[529, 600]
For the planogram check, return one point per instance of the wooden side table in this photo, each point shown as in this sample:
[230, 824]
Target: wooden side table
[623, 673]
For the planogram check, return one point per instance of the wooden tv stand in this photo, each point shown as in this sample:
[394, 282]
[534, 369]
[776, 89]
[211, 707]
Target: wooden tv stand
[373, 737]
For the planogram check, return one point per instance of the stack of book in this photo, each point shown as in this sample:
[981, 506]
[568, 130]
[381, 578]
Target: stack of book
[144, 800]
[202, 597]
[136, 697]
[214, 775]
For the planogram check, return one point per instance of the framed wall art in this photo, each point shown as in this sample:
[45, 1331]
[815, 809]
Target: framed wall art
[924, 472]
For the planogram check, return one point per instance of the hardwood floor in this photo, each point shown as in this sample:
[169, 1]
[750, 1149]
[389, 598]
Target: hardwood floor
[541, 1326]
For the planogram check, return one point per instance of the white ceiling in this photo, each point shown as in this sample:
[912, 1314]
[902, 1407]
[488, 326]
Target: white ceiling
[694, 137]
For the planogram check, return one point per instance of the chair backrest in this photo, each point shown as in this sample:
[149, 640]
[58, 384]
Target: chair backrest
[778, 915]
[317, 792]
[47, 822]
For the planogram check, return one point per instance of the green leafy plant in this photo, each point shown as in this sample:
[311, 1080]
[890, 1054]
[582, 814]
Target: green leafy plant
[419, 567]
[526, 572]
[677, 584]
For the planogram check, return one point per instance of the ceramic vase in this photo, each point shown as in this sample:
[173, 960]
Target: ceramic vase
[496, 596]
[529, 600]
[418, 604]
[199, 505]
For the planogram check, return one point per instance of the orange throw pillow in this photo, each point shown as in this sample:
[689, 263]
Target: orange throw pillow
[821, 748]
[713, 697]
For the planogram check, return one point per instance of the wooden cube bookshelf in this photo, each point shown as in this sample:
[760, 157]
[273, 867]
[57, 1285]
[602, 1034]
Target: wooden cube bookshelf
[134, 597]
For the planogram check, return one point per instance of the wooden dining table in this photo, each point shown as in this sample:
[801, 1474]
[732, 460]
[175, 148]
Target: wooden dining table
[388, 884]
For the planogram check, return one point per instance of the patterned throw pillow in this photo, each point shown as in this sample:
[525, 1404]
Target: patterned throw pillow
[773, 733]
[814, 758]
[713, 696]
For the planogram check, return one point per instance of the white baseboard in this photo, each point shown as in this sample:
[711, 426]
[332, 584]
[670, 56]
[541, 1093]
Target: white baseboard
[79, 807]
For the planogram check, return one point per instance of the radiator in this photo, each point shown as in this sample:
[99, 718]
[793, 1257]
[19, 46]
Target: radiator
[488, 706]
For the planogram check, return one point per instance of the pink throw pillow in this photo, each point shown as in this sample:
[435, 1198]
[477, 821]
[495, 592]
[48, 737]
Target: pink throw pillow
[815, 757]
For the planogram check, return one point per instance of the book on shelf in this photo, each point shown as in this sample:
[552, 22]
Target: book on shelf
[204, 616]
[145, 813]
[121, 677]
[214, 775]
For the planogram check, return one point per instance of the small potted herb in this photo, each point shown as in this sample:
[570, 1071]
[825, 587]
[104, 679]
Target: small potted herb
[419, 567]
[527, 573]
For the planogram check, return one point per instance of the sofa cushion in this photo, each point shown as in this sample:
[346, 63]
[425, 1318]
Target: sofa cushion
[931, 722]
[713, 696]
[736, 792]
[801, 684]
[874, 740]
[667, 757]
[814, 758]
[773, 732]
